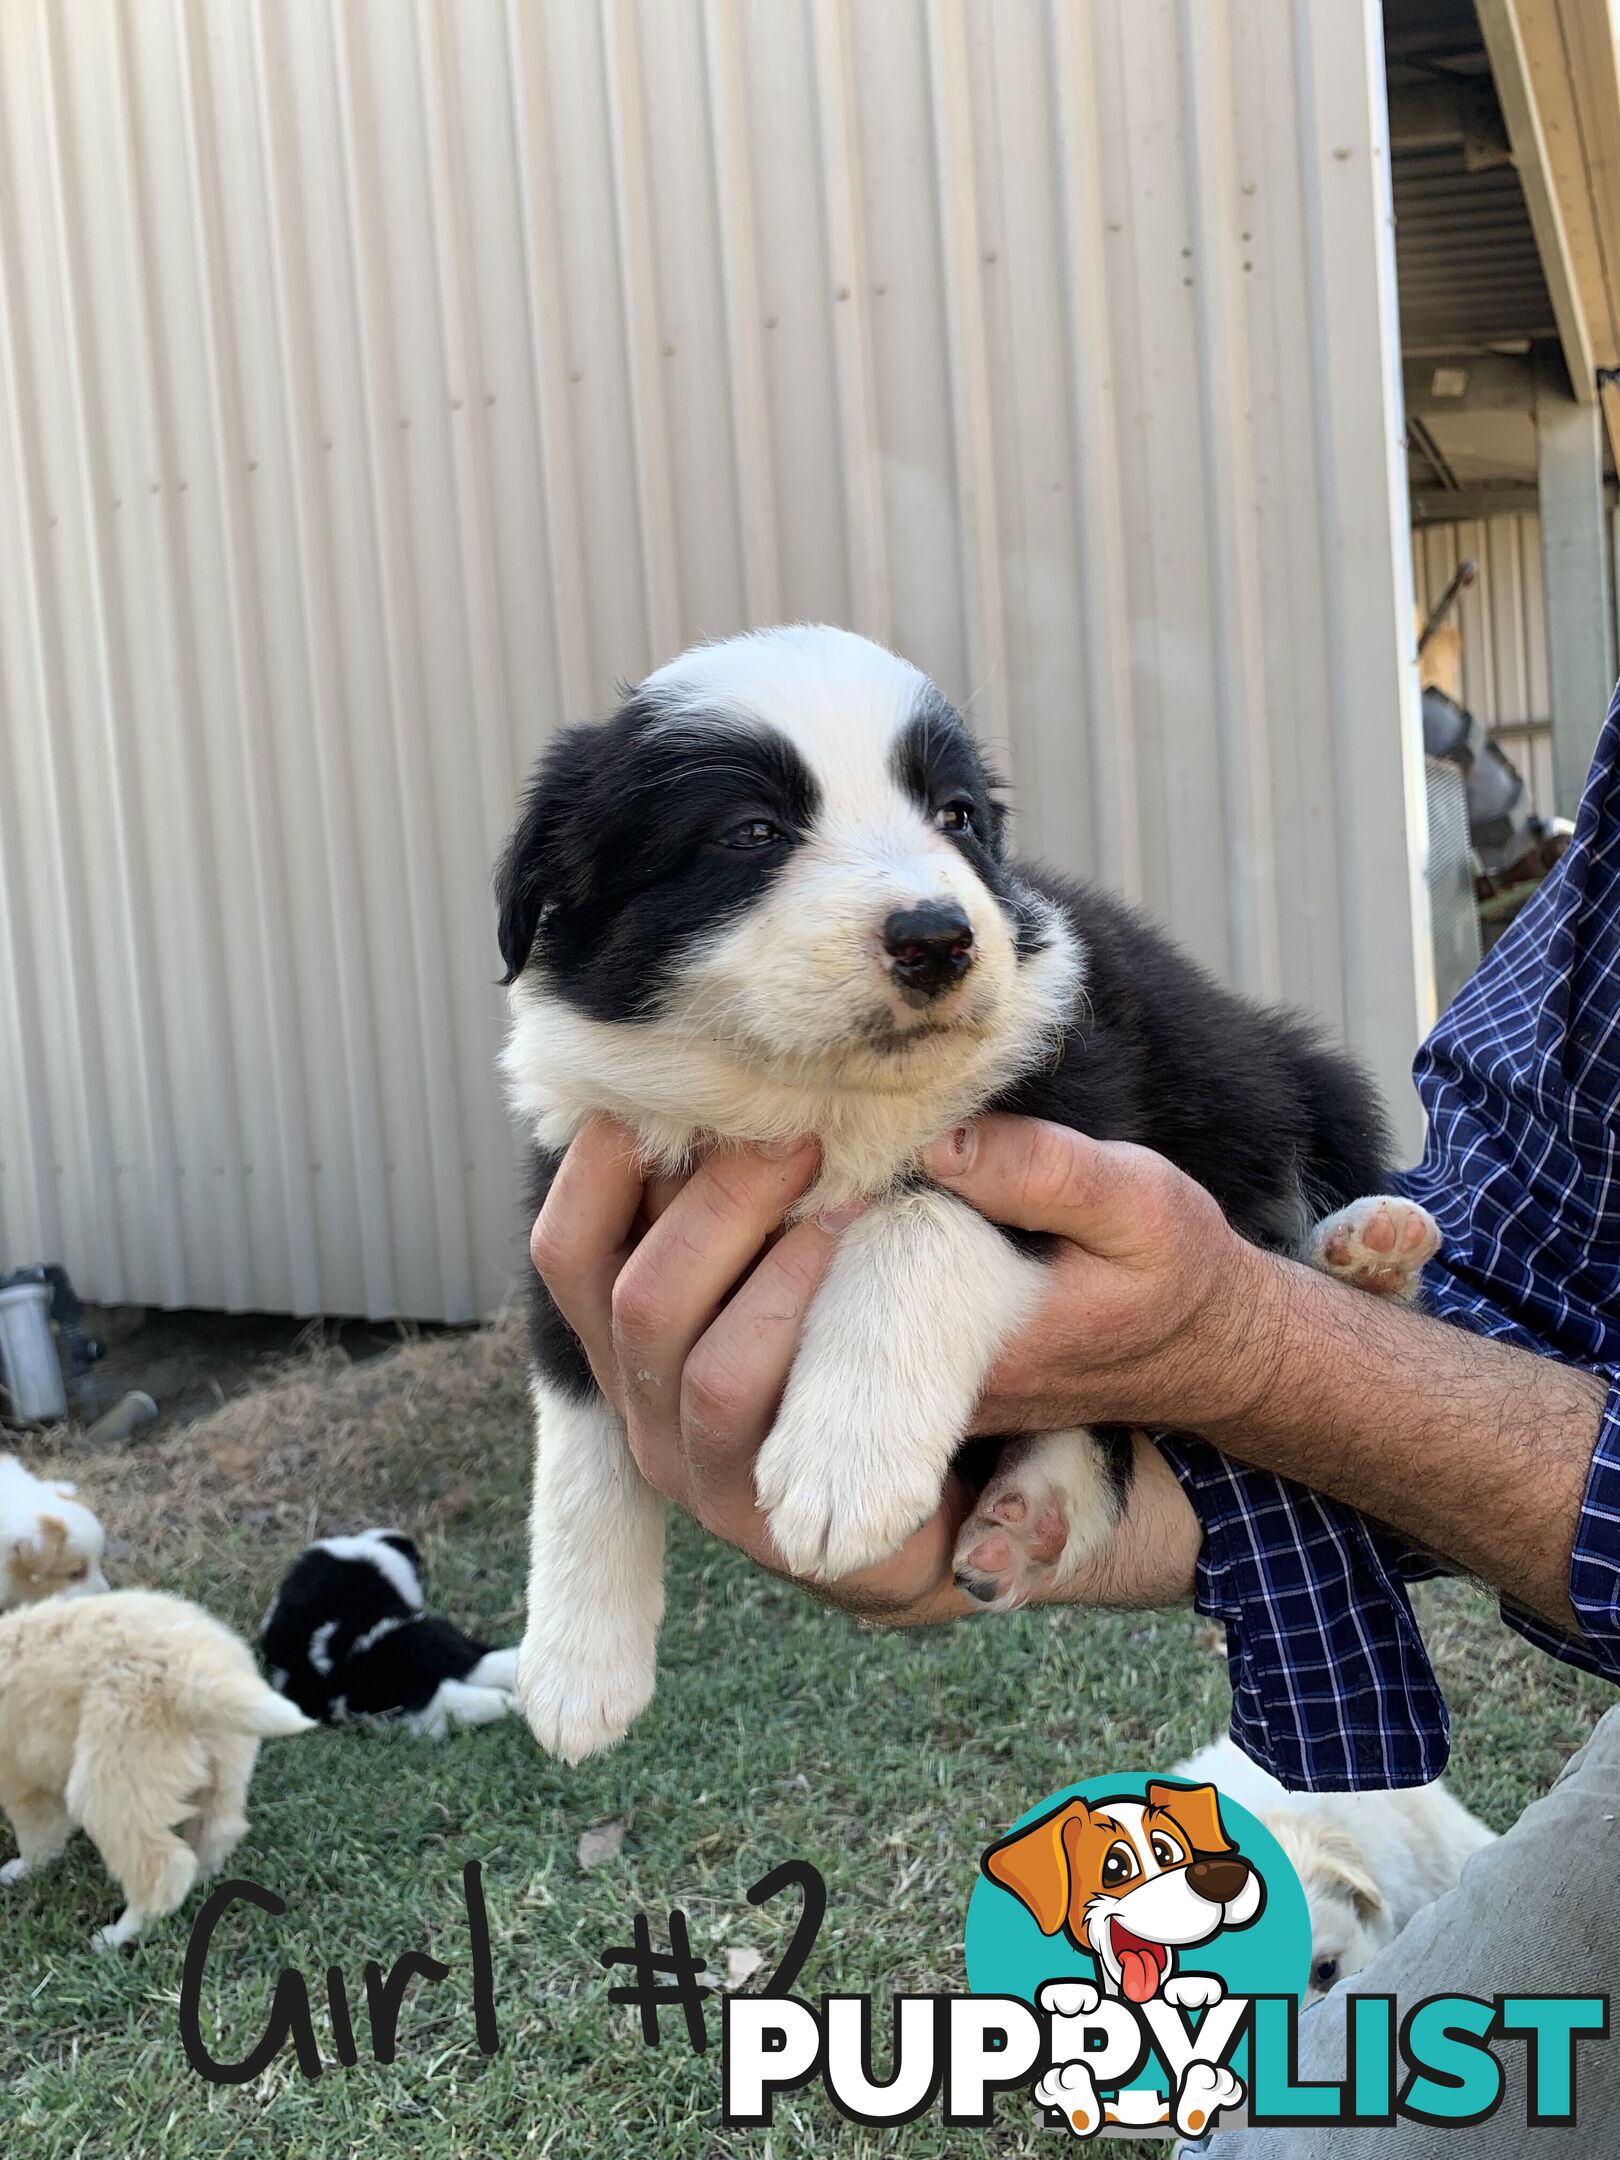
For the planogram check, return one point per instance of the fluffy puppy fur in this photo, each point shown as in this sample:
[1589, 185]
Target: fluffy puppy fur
[346, 1637]
[771, 896]
[135, 1718]
[50, 1543]
[1367, 1861]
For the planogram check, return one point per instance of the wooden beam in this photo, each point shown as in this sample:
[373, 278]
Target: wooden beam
[1500, 27]
[1503, 498]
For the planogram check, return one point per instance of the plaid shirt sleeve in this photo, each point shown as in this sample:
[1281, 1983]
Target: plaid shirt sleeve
[1331, 1685]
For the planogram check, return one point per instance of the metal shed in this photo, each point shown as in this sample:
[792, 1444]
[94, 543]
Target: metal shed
[382, 382]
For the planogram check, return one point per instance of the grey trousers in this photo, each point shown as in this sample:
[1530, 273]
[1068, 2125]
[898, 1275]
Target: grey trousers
[1537, 1912]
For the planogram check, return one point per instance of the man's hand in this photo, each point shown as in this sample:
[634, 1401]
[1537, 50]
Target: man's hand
[688, 1298]
[1160, 1314]
[1152, 1315]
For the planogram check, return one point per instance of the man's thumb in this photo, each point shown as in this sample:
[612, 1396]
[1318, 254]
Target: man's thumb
[1031, 1174]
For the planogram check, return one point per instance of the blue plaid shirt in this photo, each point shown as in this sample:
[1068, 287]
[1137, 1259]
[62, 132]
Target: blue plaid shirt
[1331, 1685]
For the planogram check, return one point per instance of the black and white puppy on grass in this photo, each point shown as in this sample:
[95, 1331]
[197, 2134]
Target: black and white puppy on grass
[347, 1637]
[768, 898]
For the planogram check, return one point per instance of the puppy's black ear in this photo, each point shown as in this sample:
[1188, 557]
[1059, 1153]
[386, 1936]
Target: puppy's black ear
[539, 863]
[522, 879]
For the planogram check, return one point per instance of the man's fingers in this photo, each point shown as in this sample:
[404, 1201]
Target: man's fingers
[581, 1234]
[710, 1233]
[734, 1377]
[1102, 1195]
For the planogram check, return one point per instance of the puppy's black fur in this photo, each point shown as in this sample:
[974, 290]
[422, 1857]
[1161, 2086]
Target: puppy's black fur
[342, 1642]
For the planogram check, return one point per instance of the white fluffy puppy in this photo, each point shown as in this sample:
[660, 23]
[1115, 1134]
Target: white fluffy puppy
[1367, 1861]
[50, 1543]
[136, 1718]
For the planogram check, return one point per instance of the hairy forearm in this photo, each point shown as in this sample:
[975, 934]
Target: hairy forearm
[1477, 1451]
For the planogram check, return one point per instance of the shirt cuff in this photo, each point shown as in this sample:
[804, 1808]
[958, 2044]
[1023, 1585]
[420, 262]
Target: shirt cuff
[1594, 1569]
[1332, 1689]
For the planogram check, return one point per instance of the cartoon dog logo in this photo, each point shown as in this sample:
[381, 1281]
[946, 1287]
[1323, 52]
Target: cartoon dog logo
[1133, 1881]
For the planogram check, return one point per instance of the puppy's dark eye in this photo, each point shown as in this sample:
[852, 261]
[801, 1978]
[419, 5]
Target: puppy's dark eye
[1165, 1851]
[1323, 1974]
[1119, 1865]
[956, 817]
[753, 833]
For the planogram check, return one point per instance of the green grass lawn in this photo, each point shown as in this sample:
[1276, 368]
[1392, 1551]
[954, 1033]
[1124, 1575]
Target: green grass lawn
[779, 1731]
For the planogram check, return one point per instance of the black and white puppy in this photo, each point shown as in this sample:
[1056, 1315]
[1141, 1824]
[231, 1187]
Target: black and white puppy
[346, 1637]
[770, 897]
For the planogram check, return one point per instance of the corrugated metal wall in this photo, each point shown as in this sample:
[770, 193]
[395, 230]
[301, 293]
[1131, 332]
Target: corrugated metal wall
[1504, 632]
[382, 381]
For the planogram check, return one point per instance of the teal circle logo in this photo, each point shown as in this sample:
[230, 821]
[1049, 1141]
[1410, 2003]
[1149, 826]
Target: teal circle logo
[1131, 1881]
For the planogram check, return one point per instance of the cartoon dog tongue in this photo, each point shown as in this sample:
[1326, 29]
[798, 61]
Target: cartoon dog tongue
[1140, 1964]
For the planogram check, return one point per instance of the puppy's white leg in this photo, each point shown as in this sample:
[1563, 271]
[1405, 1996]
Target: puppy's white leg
[457, 1702]
[596, 1579]
[155, 1870]
[43, 1828]
[1052, 1500]
[498, 1669]
[220, 1822]
[1379, 1244]
[919, 1296]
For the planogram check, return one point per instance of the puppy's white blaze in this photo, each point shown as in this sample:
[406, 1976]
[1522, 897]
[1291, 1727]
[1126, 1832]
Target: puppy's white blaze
[919, 1296]
[596, 1583]
[458, 1702]
[839, 698]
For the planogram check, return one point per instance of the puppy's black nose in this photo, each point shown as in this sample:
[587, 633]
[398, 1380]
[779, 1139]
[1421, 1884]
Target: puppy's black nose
[930, 946]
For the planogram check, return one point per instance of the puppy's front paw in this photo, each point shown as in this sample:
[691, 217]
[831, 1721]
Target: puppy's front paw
[1380, 1244]
[839, 1500]
[1205, 2090]
[578, 1696]
[14, 1871]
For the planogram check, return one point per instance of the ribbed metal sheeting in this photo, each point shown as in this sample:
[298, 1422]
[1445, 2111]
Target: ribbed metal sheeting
[384, 381]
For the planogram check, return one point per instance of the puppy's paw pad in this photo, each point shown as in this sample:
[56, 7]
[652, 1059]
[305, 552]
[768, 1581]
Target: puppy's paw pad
[1206, 2089]
[1010, 1544]
[1379, 1244]
[574, 1710]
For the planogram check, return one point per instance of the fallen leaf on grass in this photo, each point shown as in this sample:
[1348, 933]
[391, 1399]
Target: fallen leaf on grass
[602, 1841]
[742, 1965]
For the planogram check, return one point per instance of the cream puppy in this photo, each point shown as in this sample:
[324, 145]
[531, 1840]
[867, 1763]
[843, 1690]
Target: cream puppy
[136, 1718]
[50, 1543]
[1367, 1861]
